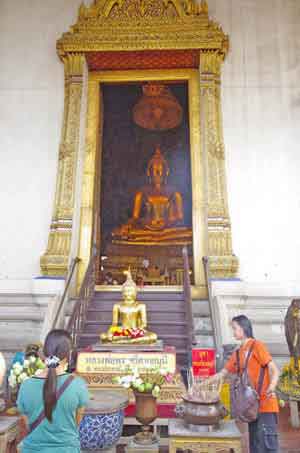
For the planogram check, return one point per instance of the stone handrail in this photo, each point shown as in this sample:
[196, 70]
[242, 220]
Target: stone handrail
[188, 298]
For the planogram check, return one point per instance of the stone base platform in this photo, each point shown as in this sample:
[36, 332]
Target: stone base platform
[117, 347]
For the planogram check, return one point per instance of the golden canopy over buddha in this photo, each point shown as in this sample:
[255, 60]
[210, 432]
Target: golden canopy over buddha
[158, 108]
[129, 323]
[158, 215]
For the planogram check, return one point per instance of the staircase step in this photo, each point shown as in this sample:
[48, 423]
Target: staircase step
[204, 333]
[153, 317]
[142, 295]
[171, 329]
[157, 323]
[153, 305]
[21, 317]
[203, 323]
[201, 308]
[205, 341]
[161, 311]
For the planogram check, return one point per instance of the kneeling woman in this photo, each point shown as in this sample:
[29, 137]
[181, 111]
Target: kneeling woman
[263, 431]
[53, 402]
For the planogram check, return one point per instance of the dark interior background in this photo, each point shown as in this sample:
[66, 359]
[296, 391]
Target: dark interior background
[127, 149]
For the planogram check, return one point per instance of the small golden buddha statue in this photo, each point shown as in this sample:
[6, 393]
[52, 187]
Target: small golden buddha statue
[158, 215]
[129, 324]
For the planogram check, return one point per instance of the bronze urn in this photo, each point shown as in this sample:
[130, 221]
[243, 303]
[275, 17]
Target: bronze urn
[146, 413]
[197, 412]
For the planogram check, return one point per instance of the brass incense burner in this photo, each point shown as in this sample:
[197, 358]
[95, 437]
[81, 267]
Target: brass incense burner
[201, 405]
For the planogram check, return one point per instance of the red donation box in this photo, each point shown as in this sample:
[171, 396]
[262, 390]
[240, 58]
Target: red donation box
[204, 362]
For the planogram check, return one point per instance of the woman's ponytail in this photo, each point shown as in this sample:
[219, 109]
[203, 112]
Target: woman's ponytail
[57, 347]
[49, 393]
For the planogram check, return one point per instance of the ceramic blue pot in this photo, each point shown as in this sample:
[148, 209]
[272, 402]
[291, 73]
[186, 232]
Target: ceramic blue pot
[102, 424]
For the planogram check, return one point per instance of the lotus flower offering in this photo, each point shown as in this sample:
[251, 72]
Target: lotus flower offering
[22, 371]
[150, 382]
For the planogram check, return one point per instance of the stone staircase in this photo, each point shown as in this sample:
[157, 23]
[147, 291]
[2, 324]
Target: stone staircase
[166, 314]
[25, 312]
[203, 324]
[21, 322]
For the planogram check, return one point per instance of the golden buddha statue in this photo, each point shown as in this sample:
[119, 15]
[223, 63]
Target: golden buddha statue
[158, 215]
[129, 323]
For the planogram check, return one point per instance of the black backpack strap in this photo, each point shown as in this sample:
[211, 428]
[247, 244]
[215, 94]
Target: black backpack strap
[59, 393]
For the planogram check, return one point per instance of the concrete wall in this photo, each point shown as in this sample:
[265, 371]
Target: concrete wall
[31, 100]
[261, 117]
[261, 107]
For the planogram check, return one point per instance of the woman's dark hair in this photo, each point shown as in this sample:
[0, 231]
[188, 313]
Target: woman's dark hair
[58, 343]
[245, 324]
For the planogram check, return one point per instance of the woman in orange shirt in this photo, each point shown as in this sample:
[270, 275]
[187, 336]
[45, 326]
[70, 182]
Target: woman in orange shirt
[263, 431]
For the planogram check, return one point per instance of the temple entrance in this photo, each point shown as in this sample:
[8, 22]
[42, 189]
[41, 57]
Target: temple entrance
[146, 186]
[164, 213]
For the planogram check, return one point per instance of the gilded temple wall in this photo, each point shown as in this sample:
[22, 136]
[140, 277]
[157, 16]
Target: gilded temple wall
[261, 117]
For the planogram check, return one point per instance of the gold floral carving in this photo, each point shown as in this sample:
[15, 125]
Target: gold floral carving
[90, 192]
[222, 262]
[210, 445]
[170, 393]
[131, 25]
[55, 260]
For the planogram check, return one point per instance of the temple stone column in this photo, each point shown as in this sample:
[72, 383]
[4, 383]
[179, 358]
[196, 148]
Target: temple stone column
[222, 262]
[55, 261]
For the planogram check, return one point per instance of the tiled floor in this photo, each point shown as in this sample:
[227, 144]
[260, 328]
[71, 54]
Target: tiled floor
[289, 438]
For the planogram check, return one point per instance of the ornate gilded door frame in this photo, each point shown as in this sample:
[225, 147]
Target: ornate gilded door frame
[94, 121]
[144, 25]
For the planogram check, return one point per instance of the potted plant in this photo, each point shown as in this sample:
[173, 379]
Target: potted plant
[146, 388]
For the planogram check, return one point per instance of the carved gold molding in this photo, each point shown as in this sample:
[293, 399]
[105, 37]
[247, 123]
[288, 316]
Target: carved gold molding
[92, 156]
[170, 393]
[131, 25]
[204, 445]
[222, 262]
[56, 259]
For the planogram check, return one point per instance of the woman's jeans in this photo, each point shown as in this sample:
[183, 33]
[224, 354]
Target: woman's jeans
[263, 437]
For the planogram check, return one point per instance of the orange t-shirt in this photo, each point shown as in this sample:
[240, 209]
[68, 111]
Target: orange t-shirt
[260, 357]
